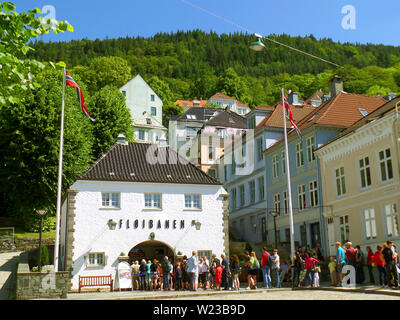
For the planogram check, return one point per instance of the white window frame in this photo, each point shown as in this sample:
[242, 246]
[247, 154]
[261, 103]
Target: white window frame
[344, 228]
[151, 204]
[275, 162]
[277, 203]
[340, 181]
[301, 196]
[140, 132]
[386, 162]
[152, 97]
[283, 161]
[285, 203]
[252, 187]
[261, 188]
[391, 220]
[95, 260]
[260, 155]
[368, 216]
[310, 149]
[110, 200]
[242, 195]
[313, 190]
[299, 155]
[193, 201]
[365, 171]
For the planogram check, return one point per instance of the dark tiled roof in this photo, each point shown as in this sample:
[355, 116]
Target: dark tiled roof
[199, 113]
[128, 163]
[227, 119]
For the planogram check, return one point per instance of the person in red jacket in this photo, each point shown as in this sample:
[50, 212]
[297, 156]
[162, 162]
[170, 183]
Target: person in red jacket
[380, 263]
[370, 260]
[310, 264]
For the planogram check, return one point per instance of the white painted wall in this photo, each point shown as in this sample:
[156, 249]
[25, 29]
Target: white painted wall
[93, 235]
[138, 98]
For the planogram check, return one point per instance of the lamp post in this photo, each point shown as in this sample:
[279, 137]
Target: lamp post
[275, 214]
[41, 213]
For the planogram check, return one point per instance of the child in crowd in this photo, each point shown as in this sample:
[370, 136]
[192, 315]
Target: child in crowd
[332, 271]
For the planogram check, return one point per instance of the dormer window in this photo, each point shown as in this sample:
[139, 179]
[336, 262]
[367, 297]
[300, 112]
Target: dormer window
[363, 112]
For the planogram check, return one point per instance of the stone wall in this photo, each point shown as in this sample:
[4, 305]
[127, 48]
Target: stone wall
[26, 244]
[45, 284]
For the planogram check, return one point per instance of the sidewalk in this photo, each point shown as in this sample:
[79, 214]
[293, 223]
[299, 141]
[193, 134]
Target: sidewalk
[8, 269]
[363, 288]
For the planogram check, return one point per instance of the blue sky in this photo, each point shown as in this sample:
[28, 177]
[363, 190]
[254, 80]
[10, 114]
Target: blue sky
[375, 21]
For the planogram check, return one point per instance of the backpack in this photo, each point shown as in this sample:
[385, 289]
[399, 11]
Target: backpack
[270, 261]
[166, 267]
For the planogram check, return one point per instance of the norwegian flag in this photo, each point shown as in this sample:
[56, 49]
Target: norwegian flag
[289, 116]
[69, 81]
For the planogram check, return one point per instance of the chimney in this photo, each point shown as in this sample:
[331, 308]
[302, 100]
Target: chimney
[336, 85]
[121, 139]
[294, 98]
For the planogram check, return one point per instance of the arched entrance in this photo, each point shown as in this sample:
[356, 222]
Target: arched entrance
[150, 250]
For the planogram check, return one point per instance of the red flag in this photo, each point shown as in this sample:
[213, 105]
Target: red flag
[69, 81]
[290, 116]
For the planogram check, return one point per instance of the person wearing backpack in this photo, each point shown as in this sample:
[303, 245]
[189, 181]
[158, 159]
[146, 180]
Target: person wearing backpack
[297, 266]
[266, 264]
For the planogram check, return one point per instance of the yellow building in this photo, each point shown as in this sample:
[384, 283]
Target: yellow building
[360, 181]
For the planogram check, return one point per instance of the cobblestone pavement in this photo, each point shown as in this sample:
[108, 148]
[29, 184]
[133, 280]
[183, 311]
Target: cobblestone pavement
[296, 295]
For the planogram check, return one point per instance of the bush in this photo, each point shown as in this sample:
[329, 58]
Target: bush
[45, 258]
[32, 222]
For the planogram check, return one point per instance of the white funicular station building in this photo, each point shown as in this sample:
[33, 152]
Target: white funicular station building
[127, 208]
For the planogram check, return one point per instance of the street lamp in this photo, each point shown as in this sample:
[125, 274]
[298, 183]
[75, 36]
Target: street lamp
[257, 45]
[41, 213]
[275, 214]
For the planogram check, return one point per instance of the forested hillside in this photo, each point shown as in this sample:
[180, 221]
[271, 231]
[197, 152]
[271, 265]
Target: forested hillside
[196, 64]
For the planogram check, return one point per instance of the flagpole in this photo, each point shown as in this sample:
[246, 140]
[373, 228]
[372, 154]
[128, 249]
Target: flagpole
[292, 250]
[58, 213]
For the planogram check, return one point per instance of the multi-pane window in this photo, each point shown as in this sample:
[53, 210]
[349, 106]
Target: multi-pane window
[344, 228]
[252, 186]
[340, 181]
[285, 202]
[313, 193]
[110, 199]
[96, 259]
[275, 166]
[152, 97]
[192, 201]
[211, 152]
[310, 149]
[370, 225]
[242, 195]
[365, 172]
[277, 203]
[392, 227]
[141, 134]
[152, 200]
[205, 253]
[283, 162]
[153, 111]
[301, 196]
[234, 199]
[261, 192]
[259, 149]
[299, 155]
[385, 163]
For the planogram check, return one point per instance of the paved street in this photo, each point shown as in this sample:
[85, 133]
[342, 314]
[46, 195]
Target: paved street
[296, 295]
[8, 267]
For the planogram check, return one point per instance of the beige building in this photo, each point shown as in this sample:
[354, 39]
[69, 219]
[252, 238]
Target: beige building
[360, 181]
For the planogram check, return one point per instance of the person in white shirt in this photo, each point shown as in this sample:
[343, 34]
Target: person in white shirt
[276, 266]
[205, 267]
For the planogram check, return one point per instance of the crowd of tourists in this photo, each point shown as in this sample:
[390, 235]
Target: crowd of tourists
[385, 260]
[303, 270]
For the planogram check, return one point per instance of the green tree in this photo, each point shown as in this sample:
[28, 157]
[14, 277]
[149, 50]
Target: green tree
[29, 147]
[112, 116]
[103, 71]
[16, 29]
